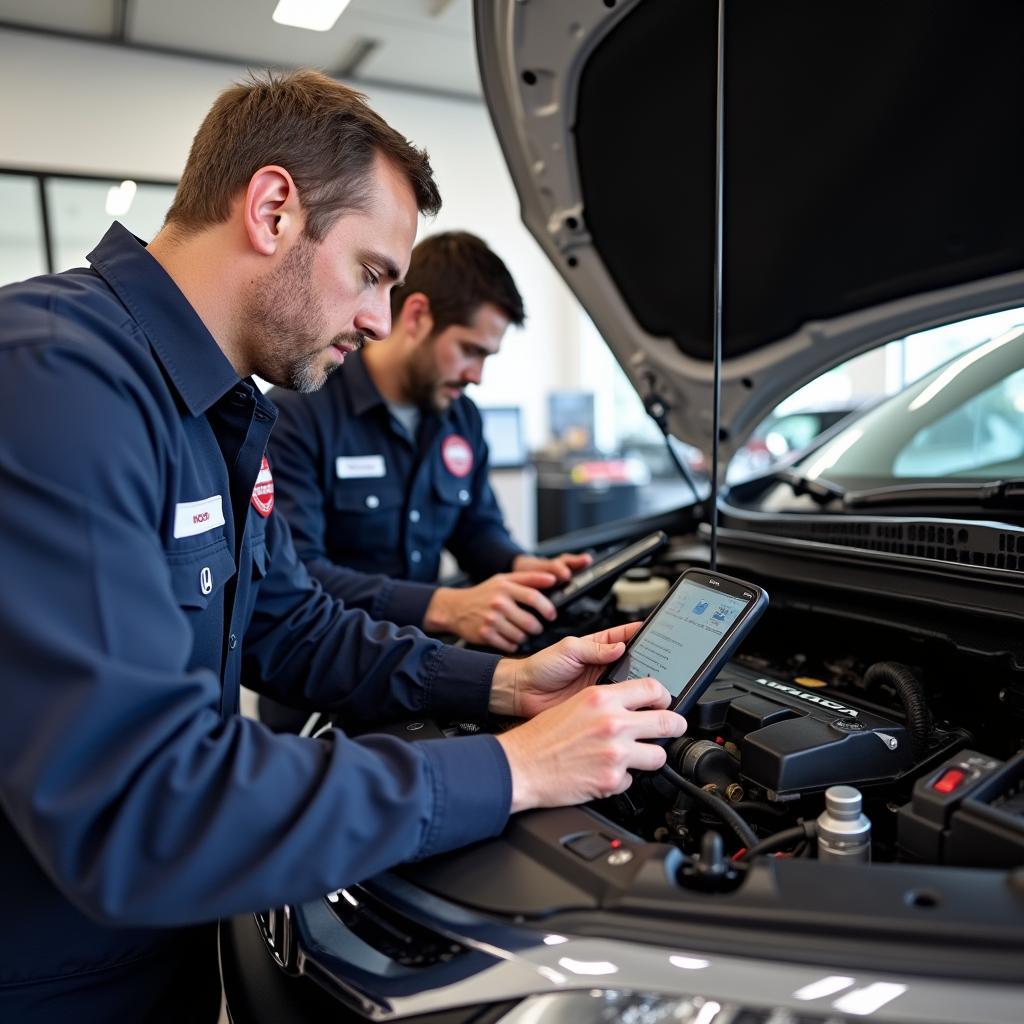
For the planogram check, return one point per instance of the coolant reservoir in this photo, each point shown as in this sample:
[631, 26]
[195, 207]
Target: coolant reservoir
[638, 591]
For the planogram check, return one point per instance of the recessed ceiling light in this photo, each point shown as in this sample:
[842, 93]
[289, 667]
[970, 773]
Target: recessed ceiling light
[316, 15]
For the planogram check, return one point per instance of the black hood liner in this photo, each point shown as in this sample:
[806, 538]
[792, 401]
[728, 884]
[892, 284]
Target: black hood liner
[872, 152]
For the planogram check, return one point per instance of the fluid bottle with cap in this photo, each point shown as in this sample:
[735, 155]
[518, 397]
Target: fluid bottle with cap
[844, 833]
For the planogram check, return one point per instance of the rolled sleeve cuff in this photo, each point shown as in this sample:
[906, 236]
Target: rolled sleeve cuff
[403, 602]
[472, 791]
[461, 681]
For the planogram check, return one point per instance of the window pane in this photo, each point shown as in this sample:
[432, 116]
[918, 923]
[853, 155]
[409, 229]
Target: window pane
[79, 218]
[965, 443]
[22, 249]
[984, 437]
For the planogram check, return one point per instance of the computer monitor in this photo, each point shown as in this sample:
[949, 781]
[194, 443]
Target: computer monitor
[571, 416]
[503, 432]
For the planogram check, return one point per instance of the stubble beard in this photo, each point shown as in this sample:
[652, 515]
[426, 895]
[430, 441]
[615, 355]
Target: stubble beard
[422, 381]
[285, 324]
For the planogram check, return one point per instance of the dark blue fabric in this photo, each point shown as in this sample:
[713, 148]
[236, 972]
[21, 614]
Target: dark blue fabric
[376, 542]
[135, 800]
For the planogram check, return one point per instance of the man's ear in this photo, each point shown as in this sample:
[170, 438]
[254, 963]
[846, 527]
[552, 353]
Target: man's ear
[415, 316]
[271, 213]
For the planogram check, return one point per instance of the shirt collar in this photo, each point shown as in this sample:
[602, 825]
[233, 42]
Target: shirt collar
[193, 360]
[362, 392]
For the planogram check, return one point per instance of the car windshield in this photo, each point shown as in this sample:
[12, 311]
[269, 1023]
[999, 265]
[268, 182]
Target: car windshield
[964, 421]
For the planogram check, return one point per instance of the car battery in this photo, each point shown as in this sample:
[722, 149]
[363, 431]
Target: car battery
[969, 811]
[988, 829]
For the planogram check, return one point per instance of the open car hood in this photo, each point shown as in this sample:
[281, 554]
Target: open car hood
[871, 188]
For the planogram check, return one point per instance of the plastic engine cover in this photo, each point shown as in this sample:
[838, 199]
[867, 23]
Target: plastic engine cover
[795, 740]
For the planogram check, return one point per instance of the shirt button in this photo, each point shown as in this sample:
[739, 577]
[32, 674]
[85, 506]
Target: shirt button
[463, 495]
[414, 516]
[372, 501]
[415, 556]
[233, 641]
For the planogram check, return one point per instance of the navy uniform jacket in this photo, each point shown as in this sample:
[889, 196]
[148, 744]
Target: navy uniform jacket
[370, 510]
[144, 568]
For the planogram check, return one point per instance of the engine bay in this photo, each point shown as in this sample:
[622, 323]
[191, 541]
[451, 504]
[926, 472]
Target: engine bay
[914, 716]
[850, 788]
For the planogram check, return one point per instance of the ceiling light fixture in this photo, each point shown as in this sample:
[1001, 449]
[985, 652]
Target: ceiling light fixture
[316, 15]
[119, 198]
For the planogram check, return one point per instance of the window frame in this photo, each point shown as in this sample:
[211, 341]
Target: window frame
[41, 178]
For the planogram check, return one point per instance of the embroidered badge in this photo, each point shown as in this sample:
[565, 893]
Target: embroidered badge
[263, 492]
[457, 455]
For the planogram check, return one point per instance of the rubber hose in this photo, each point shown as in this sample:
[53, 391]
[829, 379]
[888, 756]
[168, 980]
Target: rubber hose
[806, 830]
[745, 833]
[911, 694]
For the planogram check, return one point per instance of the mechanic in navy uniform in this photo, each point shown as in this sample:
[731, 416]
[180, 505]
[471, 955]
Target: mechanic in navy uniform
[145, 568]
[386, 466]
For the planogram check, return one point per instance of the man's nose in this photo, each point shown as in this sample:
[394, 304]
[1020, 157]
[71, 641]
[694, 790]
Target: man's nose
[474, 372]
[374, 319]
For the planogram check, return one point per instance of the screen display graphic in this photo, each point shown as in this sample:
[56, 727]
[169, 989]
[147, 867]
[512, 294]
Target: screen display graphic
[686, 629]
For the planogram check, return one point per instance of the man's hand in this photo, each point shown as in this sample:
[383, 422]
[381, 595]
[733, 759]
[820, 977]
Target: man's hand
[527, 686]
[585, 747]
[561, 566]
[490, 613]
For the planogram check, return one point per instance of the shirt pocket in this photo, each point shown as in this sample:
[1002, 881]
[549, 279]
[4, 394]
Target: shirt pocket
[451, 495]
[365, 519]
[198, 575]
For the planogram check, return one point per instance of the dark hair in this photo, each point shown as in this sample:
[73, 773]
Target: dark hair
[323, 133]
[458, 274]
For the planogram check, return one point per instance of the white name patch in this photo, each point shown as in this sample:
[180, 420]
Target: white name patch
[359, 467]
[192, 517]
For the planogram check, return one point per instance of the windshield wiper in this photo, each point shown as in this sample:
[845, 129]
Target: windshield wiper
[993, 493]
[821, 491]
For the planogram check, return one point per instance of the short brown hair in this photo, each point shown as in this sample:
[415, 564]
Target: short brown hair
[458, 274]
[323, 133]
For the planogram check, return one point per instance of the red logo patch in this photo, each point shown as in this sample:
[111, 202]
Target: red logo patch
[263, 493]
[457, 455]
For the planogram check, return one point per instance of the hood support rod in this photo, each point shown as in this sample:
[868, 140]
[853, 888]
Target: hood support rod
[716, 388]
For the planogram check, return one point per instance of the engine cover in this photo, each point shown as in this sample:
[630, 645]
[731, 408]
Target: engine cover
[794, 740]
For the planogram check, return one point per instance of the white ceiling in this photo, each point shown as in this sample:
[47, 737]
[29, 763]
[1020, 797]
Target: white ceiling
[419, 44]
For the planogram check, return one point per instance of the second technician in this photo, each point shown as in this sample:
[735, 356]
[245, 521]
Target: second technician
[386, 466]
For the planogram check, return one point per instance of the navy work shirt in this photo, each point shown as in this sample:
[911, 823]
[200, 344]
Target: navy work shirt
[370, 508]
[144, 568]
